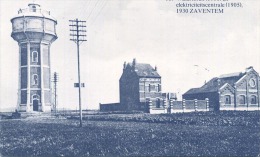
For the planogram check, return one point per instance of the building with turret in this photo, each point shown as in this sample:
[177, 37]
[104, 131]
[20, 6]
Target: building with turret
[35, 30]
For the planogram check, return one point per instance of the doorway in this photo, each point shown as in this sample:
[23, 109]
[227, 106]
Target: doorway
[158, 103]
[35, 105]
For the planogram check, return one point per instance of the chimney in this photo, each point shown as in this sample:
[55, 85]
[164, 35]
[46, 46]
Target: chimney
[155, 68]
[249, 68]
[124, 65]
[218, 82]
[134, 62]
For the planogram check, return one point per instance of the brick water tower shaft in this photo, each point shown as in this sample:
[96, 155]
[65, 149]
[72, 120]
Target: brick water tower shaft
[34, 29]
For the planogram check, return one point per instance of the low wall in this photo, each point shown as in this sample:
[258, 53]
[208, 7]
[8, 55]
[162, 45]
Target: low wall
[171, 106]
[110, 107]
[177, 106]
[157, 110]
[239, 108]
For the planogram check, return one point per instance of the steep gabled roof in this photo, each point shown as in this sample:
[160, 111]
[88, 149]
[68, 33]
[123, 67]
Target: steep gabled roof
[217, 82]
[192, 90]
[232, 79]
[210, 86]
[141, 69]
[145, 70]
[237, 74]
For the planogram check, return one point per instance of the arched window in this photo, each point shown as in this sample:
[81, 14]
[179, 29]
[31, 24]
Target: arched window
[241, 99]
[35, 79]
[34, 56]
[253, 99]
[35, 97]
[227, 99]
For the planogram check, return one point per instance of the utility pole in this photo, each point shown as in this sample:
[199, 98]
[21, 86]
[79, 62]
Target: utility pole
[78, 34]
[55, 80]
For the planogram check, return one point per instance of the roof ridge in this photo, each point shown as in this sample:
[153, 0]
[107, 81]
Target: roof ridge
[235, 74]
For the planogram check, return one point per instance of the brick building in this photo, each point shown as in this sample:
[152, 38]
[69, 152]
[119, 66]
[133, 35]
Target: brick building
[236, 91]
[138, 82]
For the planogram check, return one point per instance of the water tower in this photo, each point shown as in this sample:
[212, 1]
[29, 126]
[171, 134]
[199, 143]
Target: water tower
[34, 29]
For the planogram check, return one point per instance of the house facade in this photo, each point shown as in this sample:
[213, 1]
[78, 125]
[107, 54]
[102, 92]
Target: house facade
[139, 82]
[140, 90]
[236, 91]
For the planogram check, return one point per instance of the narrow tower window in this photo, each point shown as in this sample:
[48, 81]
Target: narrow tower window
[227, 99]
[34, 56]
[34, 8]
[242, 99]
[35, 79]
[253, 99]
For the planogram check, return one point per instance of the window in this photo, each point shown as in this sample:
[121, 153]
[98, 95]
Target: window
[227, 99]
[159, 87]
[252, 82]
[141, 88]
[34, 56]
[253, 99]
[35, 79]
[35, 97]
[151, 87]
[34, 8]
[156, 89]
[146, 88]
[241, 99]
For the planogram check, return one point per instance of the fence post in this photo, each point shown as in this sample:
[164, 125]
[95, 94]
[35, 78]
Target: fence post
[219, 105]
[150, 104]
[183, 105]
[207, 104]
[147, 104]
[196, 104]
[164, 103]
[170, 105]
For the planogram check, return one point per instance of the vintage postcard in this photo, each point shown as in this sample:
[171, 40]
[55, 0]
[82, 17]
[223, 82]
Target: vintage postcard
[129, 78]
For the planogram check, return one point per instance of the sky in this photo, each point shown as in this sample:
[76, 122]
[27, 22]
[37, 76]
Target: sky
[150, 31]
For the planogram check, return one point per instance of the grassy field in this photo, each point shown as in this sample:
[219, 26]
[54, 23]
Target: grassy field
[113, 136]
